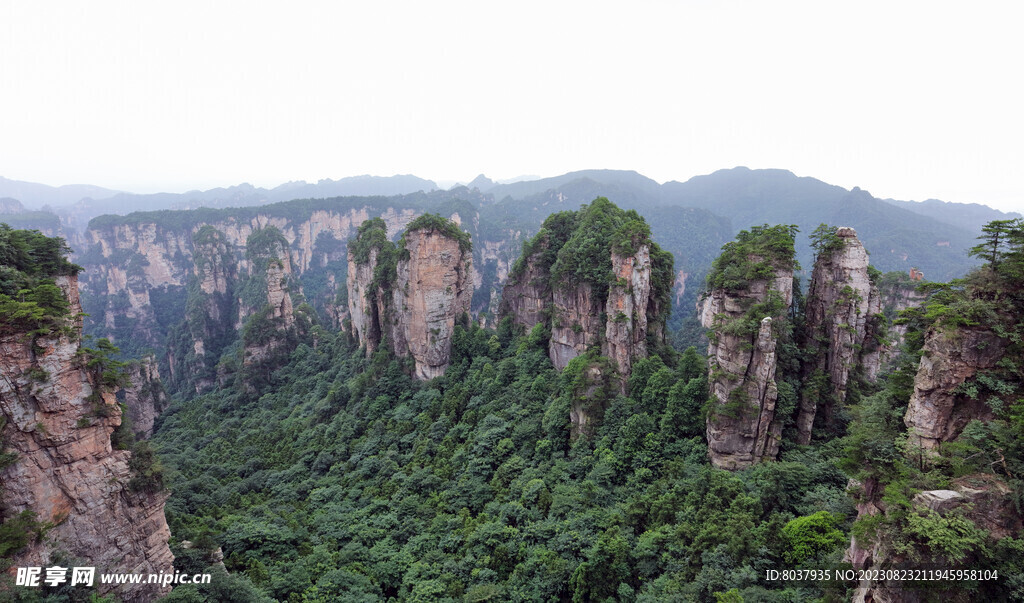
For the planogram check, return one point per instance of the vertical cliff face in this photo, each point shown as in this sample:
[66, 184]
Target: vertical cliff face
[211, 310]
[433, 288]
[145, 398]
[741, 426]
[410, 295]
[629, 295]
[59, 424]
[938, 411]
[896, 292]
[527, 293]
[138, 270]
[265, 311]
[362, 305]
[841, 310]
[576, 321]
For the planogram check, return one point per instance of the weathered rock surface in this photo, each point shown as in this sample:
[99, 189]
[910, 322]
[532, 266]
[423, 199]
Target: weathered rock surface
[625, 335]
[430, 289]
[587, 407]
[742, 429]
[363, 312]
[841, 305]
[274, 270]
[575, 322]
[894, 299]
[527, 295]
[130, 260]
[213, 316]
[937, 412]
[578, 318]
[433, 289]
[145, 398]
[66, 470]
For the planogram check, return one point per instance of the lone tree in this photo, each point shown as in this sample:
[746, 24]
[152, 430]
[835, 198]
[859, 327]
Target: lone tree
[997, 237]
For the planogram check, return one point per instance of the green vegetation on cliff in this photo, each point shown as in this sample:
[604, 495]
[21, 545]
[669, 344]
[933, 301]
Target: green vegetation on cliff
[29, 298]
[755, 255]
[576, 248]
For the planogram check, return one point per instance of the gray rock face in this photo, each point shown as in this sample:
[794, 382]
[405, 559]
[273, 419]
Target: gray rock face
[578, 318]
[432, 288]
[741, 429]
[938, 500]
[841, 300]
[279, 281]
[528, 295]
[575, 322]
[66, 470]
[363, 315]
[936, 413]
[145, 398]
[893, 301]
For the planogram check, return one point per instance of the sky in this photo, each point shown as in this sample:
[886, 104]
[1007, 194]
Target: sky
[908, 100]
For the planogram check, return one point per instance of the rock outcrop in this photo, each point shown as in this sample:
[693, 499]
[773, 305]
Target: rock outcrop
[576, 317]
[134, 265]
[614, 312]
[416, 297]
[363, 307]
[938, 411]
[145, 397]
[211, 309]
[842, 311]
[896, 295]
[265, 311]
[629, 296]
[59, 424]
[741, 427]
[432, 290]
[983, 499]
[746, 306]
[527, 293]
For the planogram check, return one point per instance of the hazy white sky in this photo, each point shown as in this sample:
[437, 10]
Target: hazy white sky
[905, 99]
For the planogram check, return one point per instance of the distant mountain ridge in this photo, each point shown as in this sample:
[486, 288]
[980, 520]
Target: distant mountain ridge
[972, 215]
[77, 204]
[932, 236]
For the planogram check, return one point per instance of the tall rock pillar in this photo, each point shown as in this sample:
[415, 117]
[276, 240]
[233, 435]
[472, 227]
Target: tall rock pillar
[841, 305]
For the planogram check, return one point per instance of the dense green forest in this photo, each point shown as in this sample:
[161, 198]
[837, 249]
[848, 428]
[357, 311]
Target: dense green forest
[342, 478]
[346, 479]
[352, 480]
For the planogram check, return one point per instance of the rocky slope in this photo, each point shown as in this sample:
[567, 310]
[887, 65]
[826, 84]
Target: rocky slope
[415, 298]
[938, 410]
[984, 500]
[841, 326]
[59, 424]
[741, 427]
